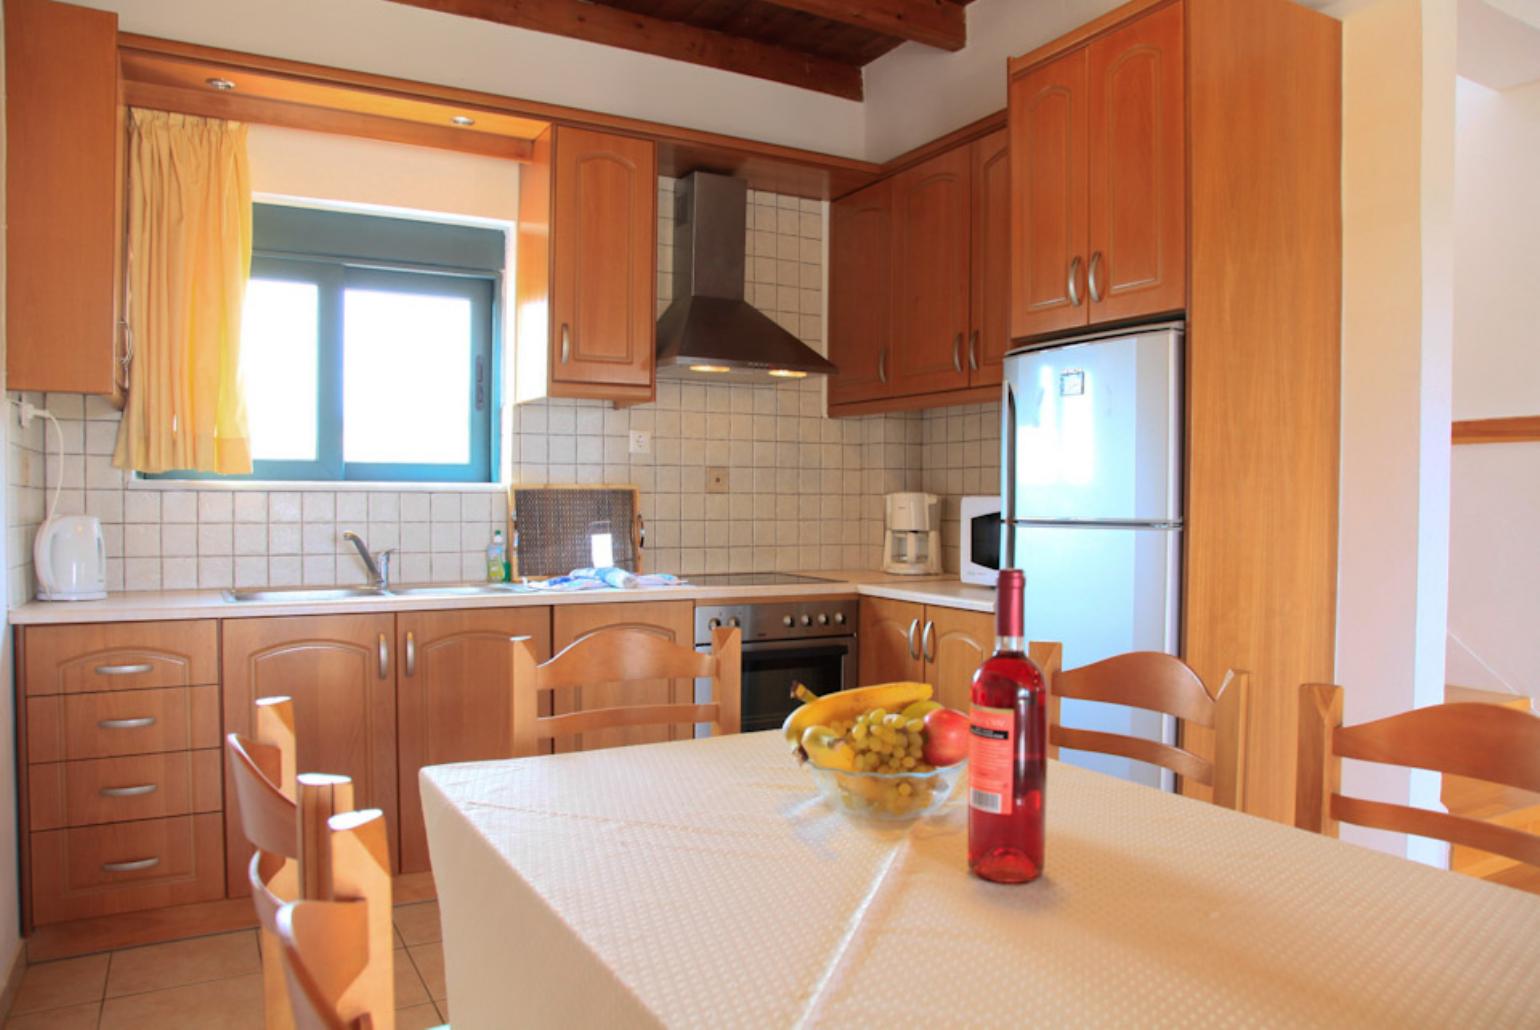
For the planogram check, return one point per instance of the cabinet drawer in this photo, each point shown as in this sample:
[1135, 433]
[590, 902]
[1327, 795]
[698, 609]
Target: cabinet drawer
[132, 722]
[120, 656]
[126, 867]
[117, 790]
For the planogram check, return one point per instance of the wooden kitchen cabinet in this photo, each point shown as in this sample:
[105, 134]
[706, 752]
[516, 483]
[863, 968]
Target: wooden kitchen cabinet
[932, 204]
[860, 310]
[341, 672]
[64, 175]
[990, 305]
[902, 640]
[1099, 211]
[454, 697]
[672, 620]
[585, 278]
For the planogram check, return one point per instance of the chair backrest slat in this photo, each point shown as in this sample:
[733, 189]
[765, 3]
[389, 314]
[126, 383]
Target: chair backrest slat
[623, 655]
[1484, 742]
[1158, 683]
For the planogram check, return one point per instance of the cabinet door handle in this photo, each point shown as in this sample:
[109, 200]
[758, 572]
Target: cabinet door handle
[914, 653]
[973, 351]
[928, 641]
[882, 365]
[1093, 277]
[411, 653]
[957, 353]
[124, 670]
[566, 343]
[384, 657]
[1074, 281]
[138, 723]
[131, 867]
[130, 792]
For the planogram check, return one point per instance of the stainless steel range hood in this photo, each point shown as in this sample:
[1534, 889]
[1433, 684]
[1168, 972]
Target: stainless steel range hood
[710, 332]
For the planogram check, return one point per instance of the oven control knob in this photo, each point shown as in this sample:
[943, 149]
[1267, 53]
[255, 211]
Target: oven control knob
[807, 620]
[713, 623]
[788, 621]
[733, 622]
[823, 620]
[839, 618]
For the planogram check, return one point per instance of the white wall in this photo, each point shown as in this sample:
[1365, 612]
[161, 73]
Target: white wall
[412, 43]
[1494, 604]
[1398, 146]
[916, 93]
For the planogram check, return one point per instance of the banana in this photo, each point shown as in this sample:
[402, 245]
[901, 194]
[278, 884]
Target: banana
[920, 709]
[848, 704]
[827, 749]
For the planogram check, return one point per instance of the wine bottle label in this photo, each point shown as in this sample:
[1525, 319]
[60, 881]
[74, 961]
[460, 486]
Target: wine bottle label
[991, 744]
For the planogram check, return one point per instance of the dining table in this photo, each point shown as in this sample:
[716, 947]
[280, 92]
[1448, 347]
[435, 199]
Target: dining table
[705, 883]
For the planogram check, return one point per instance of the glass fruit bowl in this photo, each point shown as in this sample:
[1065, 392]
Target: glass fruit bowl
[888, 797]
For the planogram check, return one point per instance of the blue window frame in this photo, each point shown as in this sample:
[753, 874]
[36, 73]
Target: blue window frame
[370, 348]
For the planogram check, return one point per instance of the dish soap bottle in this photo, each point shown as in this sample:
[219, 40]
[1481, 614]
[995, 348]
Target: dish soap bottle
[1006, 755]
[497, 559]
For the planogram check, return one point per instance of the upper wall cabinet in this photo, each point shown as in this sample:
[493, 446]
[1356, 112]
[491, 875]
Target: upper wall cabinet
[919, 283]
[64, 175]
[1098, 231]
[587, 249]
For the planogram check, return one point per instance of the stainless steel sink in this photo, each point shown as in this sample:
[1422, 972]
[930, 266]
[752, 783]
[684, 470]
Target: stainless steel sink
[457, 589]
[303, 594]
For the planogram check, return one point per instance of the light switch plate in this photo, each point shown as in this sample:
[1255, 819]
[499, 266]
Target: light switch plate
[716, 480]
[641, 441]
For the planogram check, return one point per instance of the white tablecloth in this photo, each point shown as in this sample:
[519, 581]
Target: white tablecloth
[704, 883]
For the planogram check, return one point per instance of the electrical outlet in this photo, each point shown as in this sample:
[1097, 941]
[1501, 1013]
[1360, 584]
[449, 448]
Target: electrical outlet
[641, 441]
[716, 480]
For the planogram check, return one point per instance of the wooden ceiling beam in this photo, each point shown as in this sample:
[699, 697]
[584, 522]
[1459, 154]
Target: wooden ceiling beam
[937, 23]
[611, 26]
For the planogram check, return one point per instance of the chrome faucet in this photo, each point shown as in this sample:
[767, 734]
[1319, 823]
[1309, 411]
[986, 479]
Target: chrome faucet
[377, 565]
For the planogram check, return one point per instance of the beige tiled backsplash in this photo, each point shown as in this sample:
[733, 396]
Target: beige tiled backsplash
[803, 491]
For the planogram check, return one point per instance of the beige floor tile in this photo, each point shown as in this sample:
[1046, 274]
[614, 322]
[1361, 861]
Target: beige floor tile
[418, 924]
[429, 959]
[180, 963]
[217, 1005]
[418, 1017]
[410, 990]
[53, 985]
[76, 1017]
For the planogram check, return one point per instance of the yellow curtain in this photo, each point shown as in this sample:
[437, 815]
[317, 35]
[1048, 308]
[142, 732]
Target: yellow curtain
[189, 255]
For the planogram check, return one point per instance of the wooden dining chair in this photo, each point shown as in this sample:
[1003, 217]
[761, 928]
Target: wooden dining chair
[1493, 743]
[269, 799]
[624, 655]
[338, 954]
[1160, 683]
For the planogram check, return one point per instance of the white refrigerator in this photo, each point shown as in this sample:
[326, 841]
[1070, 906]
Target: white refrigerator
[1091, 510]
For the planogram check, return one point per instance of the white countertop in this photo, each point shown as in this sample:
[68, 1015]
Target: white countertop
[148, 605]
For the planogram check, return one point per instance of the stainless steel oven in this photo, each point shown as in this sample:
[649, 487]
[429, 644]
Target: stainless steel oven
[784, 643]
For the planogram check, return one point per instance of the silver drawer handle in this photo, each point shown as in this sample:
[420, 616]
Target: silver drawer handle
[127, 724]
[131, 867]
[124, 670]
[130, 792]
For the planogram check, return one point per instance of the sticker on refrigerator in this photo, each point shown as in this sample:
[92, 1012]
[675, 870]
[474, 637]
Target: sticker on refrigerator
[1072, 383]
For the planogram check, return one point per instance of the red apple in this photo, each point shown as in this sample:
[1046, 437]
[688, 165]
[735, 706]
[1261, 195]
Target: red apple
[946, 736]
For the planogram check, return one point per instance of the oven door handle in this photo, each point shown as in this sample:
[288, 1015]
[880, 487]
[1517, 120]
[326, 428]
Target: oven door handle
[810, 643]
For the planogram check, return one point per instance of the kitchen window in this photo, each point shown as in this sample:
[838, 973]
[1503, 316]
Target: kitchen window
[368, 348]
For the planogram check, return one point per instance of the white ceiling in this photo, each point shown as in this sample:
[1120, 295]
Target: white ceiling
[1499, 43]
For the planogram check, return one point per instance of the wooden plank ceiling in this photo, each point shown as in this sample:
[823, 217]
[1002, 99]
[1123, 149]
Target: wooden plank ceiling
[813, 44]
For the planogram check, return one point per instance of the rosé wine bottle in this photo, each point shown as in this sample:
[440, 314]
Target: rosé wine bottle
[1006, 754]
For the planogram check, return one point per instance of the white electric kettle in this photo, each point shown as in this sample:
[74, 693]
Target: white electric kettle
[70, 558]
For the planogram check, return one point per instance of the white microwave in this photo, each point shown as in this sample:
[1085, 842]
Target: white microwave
[980, 558]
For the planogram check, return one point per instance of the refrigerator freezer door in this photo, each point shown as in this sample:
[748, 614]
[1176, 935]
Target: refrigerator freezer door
[1094, 430]
[1104, 591]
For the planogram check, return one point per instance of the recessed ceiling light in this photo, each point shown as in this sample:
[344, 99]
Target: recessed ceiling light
[463, 120]
[223, 85]
[709, 368]
[787, 373]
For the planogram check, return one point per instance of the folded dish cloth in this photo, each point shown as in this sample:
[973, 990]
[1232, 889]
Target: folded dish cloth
[607, 579]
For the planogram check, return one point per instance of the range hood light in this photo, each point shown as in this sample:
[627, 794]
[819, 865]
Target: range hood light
[710, 368]
[787, 373]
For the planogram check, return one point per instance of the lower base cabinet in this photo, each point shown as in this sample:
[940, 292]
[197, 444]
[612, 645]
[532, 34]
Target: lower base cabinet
[672, 620]
[453, 697]
[902, 640]
[340, 671]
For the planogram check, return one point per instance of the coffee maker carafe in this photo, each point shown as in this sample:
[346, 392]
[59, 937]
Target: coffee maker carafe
[912, 544]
